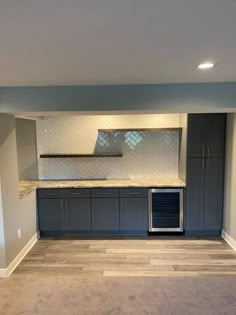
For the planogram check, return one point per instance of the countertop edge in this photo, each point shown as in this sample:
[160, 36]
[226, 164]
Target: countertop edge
[27, 187]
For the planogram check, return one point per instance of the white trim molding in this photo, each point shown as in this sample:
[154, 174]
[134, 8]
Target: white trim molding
[4, 273]
[229, 239]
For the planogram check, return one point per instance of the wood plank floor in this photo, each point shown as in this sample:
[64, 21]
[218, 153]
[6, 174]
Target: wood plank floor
[150, 257]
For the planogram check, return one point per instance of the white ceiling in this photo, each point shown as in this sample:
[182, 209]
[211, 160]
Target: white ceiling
[63, 42]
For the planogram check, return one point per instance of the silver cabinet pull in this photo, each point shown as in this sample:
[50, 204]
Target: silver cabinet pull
[66, 204]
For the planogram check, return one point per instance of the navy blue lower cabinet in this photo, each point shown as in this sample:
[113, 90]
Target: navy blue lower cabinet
[204, 196]
[133, 214]
[105, 214]
[78, 214]
[51, 215]
[95, 211]
[194, 194]
[213, 201]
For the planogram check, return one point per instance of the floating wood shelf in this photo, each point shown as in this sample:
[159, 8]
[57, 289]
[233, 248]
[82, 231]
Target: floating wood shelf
[139, 129]
[61, 156]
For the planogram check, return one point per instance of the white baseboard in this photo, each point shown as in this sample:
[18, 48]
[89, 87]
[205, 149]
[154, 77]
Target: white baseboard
[2, 273]
[229, 239]
[8, 271]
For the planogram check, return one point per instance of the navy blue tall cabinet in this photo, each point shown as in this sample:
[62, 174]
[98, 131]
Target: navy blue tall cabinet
[205, 174]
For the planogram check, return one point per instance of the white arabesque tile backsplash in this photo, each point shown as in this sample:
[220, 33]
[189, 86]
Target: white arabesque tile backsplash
[145, 154]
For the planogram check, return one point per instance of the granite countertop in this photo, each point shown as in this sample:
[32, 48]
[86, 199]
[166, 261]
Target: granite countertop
[27, 186]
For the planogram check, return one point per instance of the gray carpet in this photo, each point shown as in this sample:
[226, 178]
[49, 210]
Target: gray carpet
[72, 295]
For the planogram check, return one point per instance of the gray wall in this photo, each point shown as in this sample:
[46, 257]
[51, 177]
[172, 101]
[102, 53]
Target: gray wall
[159, 97]
[17, 213]
[230, 178]
[26, 149]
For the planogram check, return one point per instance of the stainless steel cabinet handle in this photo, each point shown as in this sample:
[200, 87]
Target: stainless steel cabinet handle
[133, 193]
[104, 193]
[66, 204]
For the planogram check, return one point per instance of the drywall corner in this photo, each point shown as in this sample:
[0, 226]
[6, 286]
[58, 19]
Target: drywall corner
[2, 239]
[26, 149]
[230, 178]
[16, 213]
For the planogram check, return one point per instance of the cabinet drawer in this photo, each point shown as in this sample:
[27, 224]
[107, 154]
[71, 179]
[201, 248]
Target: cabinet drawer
[51, 193]
[133, 192]
[78, 193]
[105, 192]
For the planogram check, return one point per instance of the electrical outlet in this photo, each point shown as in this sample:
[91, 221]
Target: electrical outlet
[19, 233]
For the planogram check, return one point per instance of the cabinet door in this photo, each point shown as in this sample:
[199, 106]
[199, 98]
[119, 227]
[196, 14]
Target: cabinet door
[78, 214]
[105, 214]
[133, 213]
[51, 215]
[214, 179]
[215, 135]
[196, 135]
[194, 194]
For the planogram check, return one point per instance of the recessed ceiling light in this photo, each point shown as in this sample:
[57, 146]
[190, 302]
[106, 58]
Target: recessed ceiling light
[206, 65]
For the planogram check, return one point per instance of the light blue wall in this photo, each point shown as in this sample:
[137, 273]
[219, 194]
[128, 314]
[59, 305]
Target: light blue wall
[161, 97]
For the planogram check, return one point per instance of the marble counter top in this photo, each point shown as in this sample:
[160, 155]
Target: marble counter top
[26, 187]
